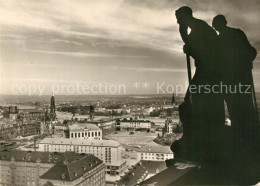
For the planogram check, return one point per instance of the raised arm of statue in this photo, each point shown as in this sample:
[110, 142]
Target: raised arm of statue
[184, 33]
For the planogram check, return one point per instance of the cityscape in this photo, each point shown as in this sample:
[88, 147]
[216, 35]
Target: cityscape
[121, 140]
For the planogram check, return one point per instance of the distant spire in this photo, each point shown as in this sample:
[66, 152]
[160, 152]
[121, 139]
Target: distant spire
[52, 111]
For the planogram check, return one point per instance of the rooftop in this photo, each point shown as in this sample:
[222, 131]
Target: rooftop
[156, 149]
[140, 171]
[170, 176]
[69, 141]
[102, 120]
[83, 126]
[43, 157]
[73, 170]
[140, 121]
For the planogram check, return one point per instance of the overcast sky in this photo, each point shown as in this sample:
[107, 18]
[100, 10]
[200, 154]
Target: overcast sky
[46, 42]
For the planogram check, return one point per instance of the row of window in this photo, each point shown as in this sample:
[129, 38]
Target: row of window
[96, 151]
[108, 150]
[158, 154]
[84, 134]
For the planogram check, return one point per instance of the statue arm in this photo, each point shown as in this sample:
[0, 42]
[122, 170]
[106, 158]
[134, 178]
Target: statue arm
[184, 33]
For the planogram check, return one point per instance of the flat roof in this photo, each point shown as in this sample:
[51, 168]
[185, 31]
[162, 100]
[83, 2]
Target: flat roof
[83, 126]
[81, 142]
[156, 149]
[43, 157]
[138, 121]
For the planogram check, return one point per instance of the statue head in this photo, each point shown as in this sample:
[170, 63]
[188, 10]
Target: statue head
[219, 22]
[184, 15]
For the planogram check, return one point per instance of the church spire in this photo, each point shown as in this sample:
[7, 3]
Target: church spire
[52, 111]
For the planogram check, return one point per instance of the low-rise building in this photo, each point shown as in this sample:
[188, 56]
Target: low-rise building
[135, 124]
[38, 168]
[109, 151]
[155, 153]
[85, 131]
[105, 123]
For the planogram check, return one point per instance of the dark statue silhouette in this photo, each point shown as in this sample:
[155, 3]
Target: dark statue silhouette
[224, 59]
[236, 57]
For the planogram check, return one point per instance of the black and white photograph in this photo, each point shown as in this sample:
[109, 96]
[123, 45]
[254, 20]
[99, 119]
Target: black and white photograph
[129, 92]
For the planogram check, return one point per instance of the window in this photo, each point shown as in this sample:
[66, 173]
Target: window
[71, 135]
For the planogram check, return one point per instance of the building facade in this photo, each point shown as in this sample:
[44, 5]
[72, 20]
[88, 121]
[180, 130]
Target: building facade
[12, 130]
[85, 131]
[135, 124]
[155, 153]
[109, 151]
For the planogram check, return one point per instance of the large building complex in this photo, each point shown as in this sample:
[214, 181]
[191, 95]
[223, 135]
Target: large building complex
[155, 153]
[39, 168]
[85, 131]
[109, 151]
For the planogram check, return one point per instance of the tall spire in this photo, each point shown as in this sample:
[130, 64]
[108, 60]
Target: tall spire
[52, 111]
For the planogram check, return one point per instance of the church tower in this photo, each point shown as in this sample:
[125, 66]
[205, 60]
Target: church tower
[52, 111]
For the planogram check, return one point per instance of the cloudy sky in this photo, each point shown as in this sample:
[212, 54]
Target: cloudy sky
[55, 42]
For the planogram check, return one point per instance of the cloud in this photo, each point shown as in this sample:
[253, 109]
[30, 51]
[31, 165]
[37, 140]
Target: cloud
[142, 69]
[108, 19]
[82, 55]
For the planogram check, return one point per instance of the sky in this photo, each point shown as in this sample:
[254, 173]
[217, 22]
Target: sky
[134, 46]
